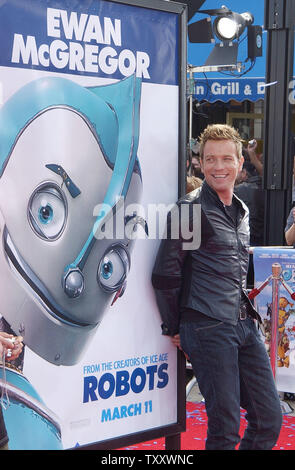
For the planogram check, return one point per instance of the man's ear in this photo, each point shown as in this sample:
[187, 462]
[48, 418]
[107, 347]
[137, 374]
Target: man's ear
[201, 164]
[241, 162]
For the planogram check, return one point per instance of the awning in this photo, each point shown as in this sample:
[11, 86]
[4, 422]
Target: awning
[226, 89]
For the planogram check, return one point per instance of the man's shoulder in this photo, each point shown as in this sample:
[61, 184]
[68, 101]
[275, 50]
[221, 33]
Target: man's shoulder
[193, 196]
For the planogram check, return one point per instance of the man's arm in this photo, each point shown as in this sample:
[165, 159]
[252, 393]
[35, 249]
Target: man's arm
[167, 280]
[254, 158]
[290, 228]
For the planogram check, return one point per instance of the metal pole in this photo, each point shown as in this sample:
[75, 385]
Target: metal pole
[190, 130]
[276, 272]
[173, 442]
[279, 23]
[190, 106]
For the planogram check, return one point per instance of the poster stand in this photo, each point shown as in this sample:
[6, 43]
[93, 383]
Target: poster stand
[50, 53]
[172, 433]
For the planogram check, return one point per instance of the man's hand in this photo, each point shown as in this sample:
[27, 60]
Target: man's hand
[254, 158]
[176, 341]
[6, 344]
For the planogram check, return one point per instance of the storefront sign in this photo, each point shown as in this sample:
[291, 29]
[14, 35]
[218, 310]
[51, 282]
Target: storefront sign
[227, 89]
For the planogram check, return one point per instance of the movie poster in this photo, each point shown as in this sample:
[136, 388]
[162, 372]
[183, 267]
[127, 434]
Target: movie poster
[264, 258]
[89, 94]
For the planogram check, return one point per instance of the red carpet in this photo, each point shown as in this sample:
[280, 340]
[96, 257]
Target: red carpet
[196, 430]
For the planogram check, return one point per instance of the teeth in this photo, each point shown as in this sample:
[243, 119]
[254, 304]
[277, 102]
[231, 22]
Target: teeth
[219, 176]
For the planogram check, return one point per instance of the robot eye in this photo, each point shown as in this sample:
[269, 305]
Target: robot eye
[113, 268]
[47, 211]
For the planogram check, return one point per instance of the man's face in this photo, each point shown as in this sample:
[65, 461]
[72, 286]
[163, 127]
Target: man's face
[221, 165]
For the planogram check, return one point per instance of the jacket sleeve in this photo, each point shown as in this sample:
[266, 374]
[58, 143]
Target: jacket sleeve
[167, 280]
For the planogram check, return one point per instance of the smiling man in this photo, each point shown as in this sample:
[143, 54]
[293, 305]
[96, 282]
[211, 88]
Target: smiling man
[203, 302]
[221, 164]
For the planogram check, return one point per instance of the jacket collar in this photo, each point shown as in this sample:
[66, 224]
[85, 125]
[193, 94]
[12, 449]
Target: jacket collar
[211, 192]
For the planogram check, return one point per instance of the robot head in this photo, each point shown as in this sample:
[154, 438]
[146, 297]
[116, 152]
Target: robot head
[64, 149]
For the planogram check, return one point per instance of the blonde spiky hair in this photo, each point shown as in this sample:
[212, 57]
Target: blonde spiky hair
[220, 132]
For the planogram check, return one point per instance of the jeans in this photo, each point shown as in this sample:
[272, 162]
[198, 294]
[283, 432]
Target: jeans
[233, 370]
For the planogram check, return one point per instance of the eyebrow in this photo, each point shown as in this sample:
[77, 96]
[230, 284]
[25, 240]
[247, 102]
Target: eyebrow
[70, 185]
[213, 155]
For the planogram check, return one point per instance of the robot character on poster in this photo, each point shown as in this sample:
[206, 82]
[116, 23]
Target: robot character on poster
[64, 150]
[68, 165]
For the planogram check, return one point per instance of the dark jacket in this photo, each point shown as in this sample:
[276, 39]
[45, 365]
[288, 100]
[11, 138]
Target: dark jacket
[212, 278]
[252, 194]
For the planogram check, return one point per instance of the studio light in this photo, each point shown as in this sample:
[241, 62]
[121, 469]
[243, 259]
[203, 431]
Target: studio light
[227, 25]
[225, 31]
[230, 26]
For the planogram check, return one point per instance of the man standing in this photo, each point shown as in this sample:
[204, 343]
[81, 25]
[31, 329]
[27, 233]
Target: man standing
[204, 306]
[250, 191]
[290, 228]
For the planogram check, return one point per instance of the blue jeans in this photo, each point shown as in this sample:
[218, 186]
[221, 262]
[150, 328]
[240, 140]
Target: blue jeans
[233, 370]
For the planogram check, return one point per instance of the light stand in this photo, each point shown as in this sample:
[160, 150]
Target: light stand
[191, 69]
[228, 27]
